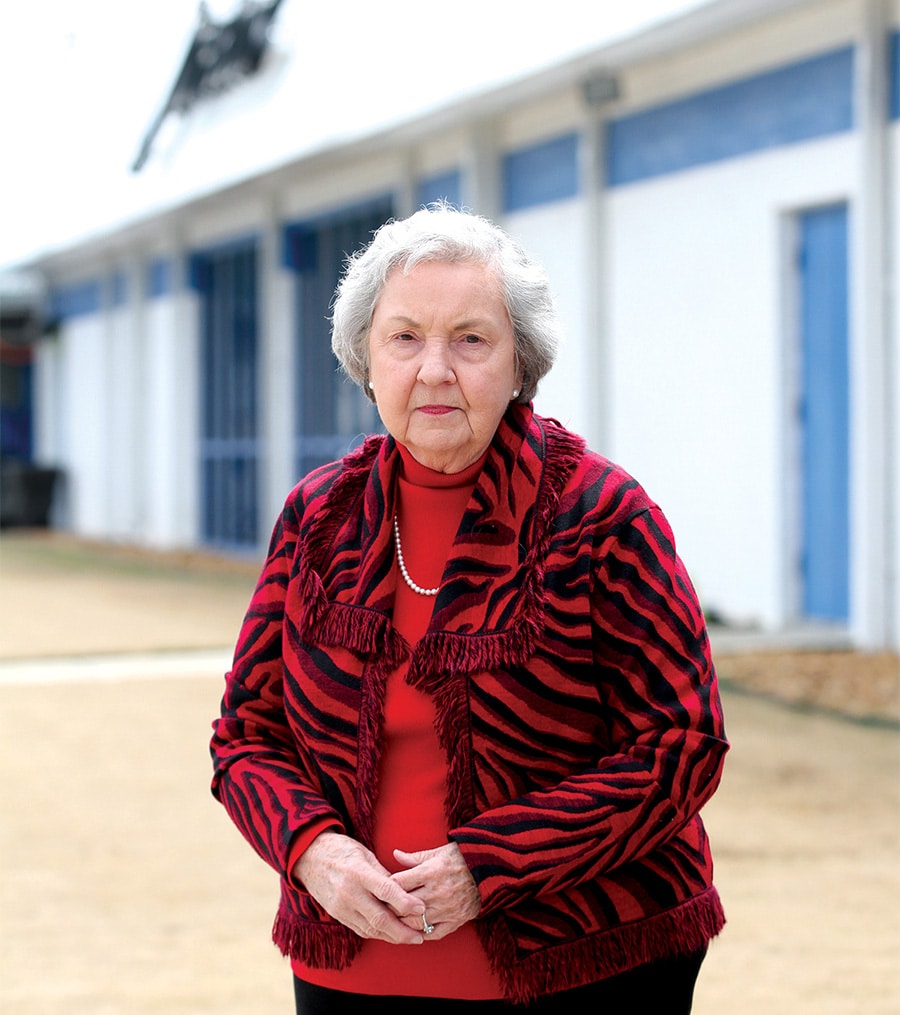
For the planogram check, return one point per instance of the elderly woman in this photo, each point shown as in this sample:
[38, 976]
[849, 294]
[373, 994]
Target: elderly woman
[472, 716]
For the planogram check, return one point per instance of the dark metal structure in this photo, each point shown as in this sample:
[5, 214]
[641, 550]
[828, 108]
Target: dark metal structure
[220, 55]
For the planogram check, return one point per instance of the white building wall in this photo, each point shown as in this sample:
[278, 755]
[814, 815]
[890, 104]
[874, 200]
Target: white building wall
[84, 419]
[186, 528]
[123, 399]
[555, 235]
[697, 352]
[169, 425]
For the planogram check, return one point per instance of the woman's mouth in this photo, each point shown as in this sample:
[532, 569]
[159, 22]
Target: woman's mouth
[436, 410]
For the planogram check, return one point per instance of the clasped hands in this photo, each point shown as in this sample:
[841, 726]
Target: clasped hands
[347, 880]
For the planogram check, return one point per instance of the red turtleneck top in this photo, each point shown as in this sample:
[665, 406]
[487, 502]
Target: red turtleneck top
[410, 808]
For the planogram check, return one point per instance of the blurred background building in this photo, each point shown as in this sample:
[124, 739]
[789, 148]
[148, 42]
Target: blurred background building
[715, 199]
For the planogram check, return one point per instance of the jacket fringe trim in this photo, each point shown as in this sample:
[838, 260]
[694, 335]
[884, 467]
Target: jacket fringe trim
[356, 469]
[370, 750]
[683, 931]
[337, 624]
[319, 945]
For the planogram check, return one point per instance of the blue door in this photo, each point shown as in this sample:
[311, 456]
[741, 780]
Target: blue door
[825, 414]
[229, 440]
[332, 415]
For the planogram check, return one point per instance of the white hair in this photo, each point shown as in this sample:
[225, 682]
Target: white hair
[440, 232]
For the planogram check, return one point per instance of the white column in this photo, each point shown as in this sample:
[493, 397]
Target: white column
[874, 466]
[481, 171]
[277, 371]
[170, 408]
[186, 384]
[598, 373]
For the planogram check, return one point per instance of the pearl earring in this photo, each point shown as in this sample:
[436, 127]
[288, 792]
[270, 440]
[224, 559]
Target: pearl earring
[371, 386]
[516, 393]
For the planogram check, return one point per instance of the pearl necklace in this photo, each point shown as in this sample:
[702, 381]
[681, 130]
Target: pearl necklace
[402, 565]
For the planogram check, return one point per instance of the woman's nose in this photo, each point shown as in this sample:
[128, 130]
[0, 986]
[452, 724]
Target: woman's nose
[436, 367]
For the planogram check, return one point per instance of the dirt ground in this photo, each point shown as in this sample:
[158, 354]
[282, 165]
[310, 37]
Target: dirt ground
[124, 890]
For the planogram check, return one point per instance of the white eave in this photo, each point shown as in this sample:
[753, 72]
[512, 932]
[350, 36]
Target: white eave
[687, 29]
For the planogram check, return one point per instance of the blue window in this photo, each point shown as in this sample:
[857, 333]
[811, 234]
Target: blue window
[331, 414]
[226, 280]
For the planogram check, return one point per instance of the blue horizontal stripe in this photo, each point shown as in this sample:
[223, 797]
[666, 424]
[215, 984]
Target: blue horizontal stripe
[160, 277]
[77, 299]
[541, 173]
[895, 75]
[442, 186]
[794, 103]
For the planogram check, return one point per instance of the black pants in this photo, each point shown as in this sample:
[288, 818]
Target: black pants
[658, 988]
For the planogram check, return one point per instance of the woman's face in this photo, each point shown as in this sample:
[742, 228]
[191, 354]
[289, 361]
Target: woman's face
[442, 361]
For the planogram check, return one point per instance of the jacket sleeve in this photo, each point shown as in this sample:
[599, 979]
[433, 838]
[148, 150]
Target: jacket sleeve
[259, 771]
[663, 734]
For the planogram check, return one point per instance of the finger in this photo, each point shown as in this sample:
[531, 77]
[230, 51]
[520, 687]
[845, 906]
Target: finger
[444, 883]
[414, 876]
[383, 925]
[347, 880]
[398, 898]
[412, 859]
[431, 860]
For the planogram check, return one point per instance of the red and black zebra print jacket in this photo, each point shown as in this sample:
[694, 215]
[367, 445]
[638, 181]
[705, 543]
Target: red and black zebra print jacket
[575, 694]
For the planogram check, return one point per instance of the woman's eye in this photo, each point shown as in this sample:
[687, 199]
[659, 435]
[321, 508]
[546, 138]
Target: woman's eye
[472, 339]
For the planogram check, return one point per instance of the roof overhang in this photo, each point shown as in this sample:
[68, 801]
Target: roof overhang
[690, 28]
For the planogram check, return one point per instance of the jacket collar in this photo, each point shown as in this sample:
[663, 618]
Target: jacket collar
[492, 581]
